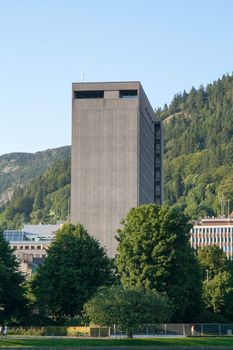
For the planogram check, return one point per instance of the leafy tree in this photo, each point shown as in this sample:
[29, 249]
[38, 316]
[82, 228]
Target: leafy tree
[154, 252]
[127, 308]
[75, 267]
[218, 294]
[12, 301]
[217, 275]
[212, 261]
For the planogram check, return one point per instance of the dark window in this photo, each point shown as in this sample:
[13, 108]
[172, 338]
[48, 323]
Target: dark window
[88, 94]
[128, 93]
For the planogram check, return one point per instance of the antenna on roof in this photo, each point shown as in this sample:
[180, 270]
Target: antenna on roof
[82, 76]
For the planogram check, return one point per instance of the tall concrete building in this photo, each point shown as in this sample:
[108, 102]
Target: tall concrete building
[116, 156]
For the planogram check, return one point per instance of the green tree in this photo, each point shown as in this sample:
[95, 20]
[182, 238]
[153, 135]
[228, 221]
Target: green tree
[12, 301]
[154, 252]
[218, 294]
[217, 286]
[75, 267]
[127, 308]
[212, 261]
[38, 200]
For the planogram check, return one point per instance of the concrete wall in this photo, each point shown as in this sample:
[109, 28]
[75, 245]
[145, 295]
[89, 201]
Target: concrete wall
[104, 164]
[150, 154]
[112, 158]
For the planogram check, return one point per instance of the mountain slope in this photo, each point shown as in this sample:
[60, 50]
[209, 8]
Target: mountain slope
[16, 169]
[198, 129]
[42, 200]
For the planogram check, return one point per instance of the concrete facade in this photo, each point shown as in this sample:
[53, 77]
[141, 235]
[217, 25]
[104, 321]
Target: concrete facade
[116, 156]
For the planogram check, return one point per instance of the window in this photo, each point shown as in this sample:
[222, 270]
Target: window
[157, 190]
[88, 94]
[157, 147]
[128, 93]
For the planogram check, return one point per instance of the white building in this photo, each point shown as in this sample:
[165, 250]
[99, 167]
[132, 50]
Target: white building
[214, 232]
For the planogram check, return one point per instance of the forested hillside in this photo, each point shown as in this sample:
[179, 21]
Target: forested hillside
[198, 130]
[16, 169]
[45, 199]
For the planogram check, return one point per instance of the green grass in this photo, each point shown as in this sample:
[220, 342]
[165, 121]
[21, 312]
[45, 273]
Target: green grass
[71, 342]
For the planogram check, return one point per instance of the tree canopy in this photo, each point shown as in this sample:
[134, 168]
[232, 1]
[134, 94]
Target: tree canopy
[75, 267]
[127, 308]
[217, 284]
[154, 252]
[212, 261]
[12, 300]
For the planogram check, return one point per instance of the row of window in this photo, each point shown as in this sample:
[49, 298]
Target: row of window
[35, 256]
[26, 247]
[100, 94]
[212, 230]
[212, 240]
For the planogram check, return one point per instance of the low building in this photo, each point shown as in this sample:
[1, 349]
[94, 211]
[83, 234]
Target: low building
[30, 244]
[214, 232]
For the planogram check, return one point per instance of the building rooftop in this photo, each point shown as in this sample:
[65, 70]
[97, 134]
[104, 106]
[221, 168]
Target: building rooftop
[221, 220]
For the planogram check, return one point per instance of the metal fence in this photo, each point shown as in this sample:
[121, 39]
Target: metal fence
[175, 329]
[145, 330]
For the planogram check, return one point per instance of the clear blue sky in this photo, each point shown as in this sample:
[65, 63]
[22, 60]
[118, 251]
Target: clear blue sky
[45, 45]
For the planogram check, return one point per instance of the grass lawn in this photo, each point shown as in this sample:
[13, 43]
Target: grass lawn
[72, 342]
